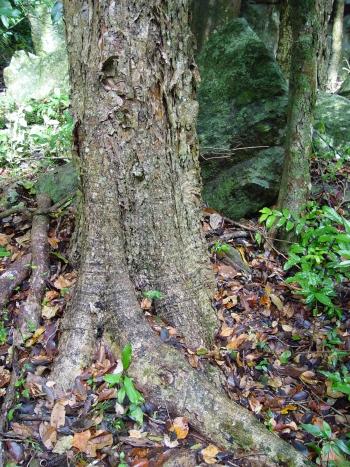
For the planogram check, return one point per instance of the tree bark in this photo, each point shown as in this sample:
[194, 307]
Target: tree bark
[295, 183]
[337, 42]
[285, 38]
[133, 83]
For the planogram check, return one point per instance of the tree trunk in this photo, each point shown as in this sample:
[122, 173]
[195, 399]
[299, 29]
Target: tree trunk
[337, 42]
[133, 79]
[285, 38]
[295, 183]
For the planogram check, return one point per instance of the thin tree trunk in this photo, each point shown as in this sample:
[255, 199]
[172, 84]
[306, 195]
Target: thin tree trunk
[295, 183]
[337, 41]
[285, 38]
[132, 83]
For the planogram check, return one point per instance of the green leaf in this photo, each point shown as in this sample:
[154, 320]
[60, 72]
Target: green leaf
[342, 387]
[153, 295]
[121, 395]
[327, 430]
[342, 446]
[113, 379]
[285, 356]
[134, 396]
[270, 221]
[126, 356]
[258, 238]
[289, 226]
[314, 430]
[136, 413]
[4, 252]
[322, 298]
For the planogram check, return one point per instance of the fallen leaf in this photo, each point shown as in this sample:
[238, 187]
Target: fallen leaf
[35, 337]
[21, 430]
[276, 301]
[209, 454]
[49, 312]
[275, 382]
[65, 281]
[100, 440]
[255, 405]
[48, 435]
[237, 341]
[180, 426]
[170, 443]
[287, 327]
[146, 304]
[308, 377]
[5, 376]
[58, 415]
[226, 331]
[63, 444]
[215, 221]
[80, 440]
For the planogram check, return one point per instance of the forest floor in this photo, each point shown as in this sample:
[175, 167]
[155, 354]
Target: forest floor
[270, 349]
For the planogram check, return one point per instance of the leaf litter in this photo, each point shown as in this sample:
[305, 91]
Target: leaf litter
[270, 348]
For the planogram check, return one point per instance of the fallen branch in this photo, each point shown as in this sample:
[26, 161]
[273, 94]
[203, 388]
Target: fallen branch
[30, 311]
[13, 277]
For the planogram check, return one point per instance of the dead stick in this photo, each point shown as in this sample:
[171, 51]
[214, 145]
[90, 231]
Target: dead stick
[13, 277]
[30, 311]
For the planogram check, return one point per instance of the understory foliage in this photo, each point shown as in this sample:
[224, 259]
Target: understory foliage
[35, 131]
[320, 259]
[318, 271]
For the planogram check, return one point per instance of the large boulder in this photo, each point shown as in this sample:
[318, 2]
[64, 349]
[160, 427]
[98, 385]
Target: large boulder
[242, 101]
[332, 122]
[37, 76]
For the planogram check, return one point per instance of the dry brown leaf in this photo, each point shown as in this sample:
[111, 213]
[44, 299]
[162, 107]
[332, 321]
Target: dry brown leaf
[58, 415]
[35, 337]
[81, 439]
[230, 301]
[309, 377]
[209, 454]
[226, 331]
[63, 444]
[24, 431]
[180, 426]
[48, 435]
[275, 382]
[5, 376]
[237, 341]
[53, 241]
[49, 312]
[4, 239]
[255, 405]
[146, 304]
[276, 301]
[50, 295]
[101, 439]
[65, 281]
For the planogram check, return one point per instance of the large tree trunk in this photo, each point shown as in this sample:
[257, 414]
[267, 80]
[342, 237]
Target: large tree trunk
[132, 80]
[337, 42]
[295, 183]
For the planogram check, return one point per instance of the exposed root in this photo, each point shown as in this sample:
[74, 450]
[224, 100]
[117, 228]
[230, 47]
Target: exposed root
[13, 277]
[167, 379]
[30, 313]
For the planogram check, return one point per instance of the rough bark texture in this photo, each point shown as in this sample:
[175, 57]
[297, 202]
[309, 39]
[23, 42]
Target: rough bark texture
[337, 40]
[285, 38]
[12, 278]
[132, 80]
[295, 183]
[324, 12]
